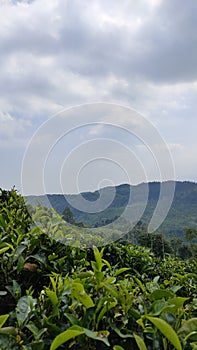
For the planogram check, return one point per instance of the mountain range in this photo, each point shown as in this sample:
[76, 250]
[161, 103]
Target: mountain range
[89, 207]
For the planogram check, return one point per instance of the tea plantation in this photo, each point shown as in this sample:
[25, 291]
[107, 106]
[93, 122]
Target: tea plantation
[57, 294]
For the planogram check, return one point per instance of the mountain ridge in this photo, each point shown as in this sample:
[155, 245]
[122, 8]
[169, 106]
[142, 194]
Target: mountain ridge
[183, 211]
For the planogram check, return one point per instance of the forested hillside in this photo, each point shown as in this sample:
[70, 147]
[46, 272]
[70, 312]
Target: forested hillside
[183, 212]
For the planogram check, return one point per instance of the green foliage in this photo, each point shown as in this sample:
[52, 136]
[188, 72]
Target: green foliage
[140, 342]
[166, 330]
[68, 215]
[56, 296]
[75, 331]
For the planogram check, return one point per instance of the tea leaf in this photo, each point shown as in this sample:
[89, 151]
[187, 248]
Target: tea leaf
[123, 269]
[24, 308]
[79, 294]
[63, 337]
[140, 342]
[167, 331]
[3, 319]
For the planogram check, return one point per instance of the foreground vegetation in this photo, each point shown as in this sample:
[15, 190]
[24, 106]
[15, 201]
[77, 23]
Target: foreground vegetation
[57, 296]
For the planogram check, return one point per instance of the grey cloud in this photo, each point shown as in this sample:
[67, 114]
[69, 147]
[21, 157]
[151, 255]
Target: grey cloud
[170, 41]
[162, 49]
[61, 51]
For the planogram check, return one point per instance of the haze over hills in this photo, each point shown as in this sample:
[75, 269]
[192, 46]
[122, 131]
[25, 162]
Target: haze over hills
[182, 214]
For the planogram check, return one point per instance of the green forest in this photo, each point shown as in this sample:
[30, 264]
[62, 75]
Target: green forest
[56, 292]
[183, 211]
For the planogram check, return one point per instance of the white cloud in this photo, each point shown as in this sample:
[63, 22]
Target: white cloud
[12, 131]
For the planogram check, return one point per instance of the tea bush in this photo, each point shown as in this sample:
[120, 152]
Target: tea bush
[59, 296]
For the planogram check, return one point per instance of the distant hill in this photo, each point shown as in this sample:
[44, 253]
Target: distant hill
[183, 212]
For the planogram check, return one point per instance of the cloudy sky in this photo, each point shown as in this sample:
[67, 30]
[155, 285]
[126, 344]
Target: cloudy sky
[56, 54]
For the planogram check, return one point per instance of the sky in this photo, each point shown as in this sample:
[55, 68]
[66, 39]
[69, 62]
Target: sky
[99, 62]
